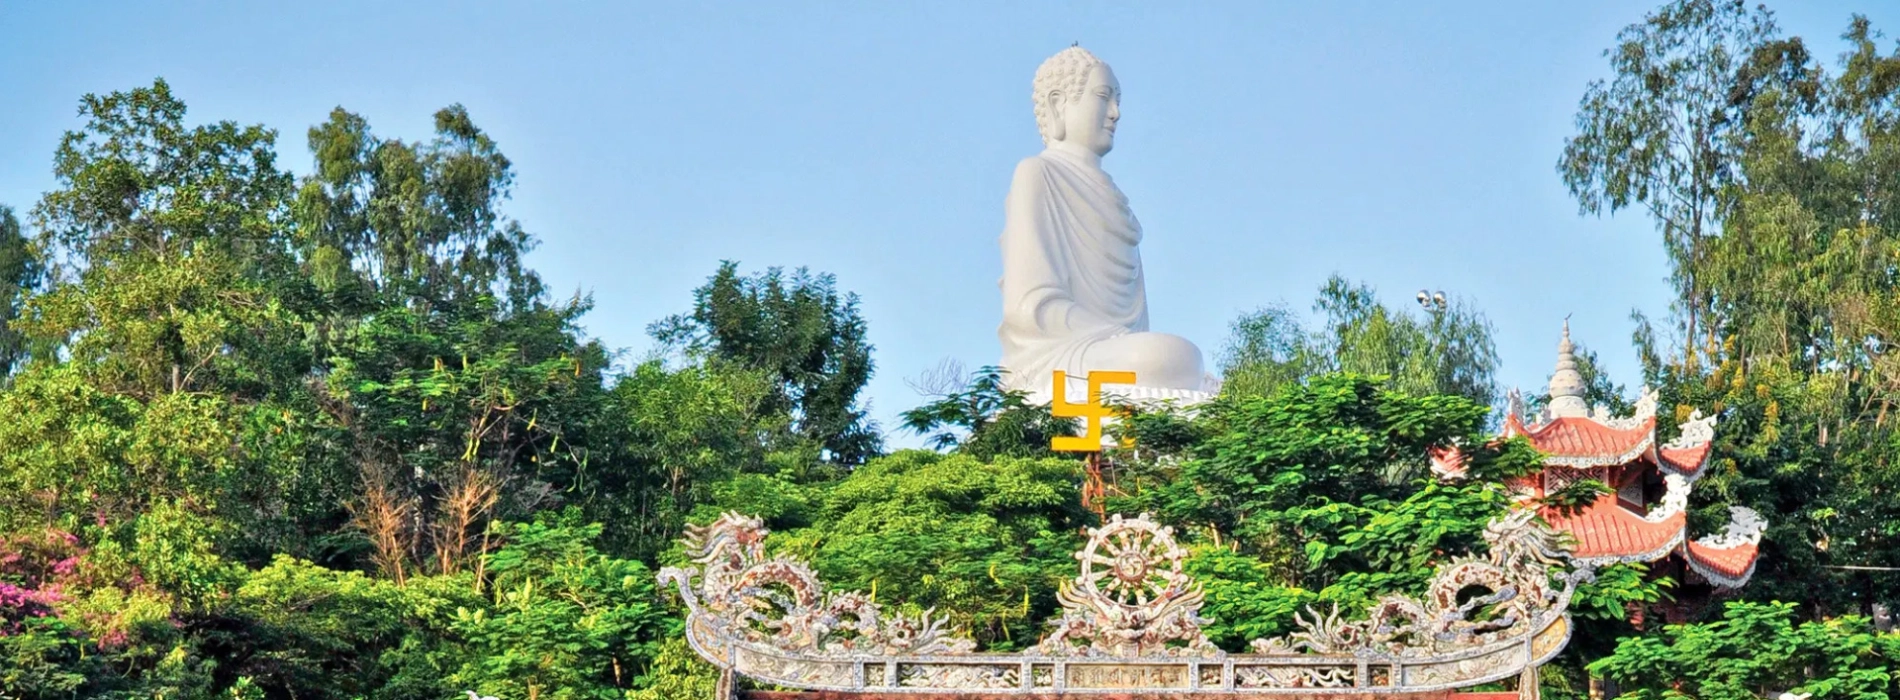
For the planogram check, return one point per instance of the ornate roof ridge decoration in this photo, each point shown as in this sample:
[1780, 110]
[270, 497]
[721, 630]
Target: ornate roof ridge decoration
[1644, 410]
[1675, 499]
[1745, 528]
[1699, 430]
[781, 602]
[1631, 454]
[1737, 544]
[1131, 624]
[1695, 433]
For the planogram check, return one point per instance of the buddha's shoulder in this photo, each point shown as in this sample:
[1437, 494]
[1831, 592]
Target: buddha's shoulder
[1033, 167]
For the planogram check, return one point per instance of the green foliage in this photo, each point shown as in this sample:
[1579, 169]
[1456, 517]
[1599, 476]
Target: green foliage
[328, 437]
[19, 274]
[444, 361]
[565, 621]
[678, 672]
[1318, 495]
[987, 543]
[1290, 476]
[1757, 650]
[1663, 133]
[416, 224]
[986, 420]
[44, 659]
[164, 246]
[73, 452]
[1450, 351]
[1245, 597]
[675, 436]
[1779, 218]
[1616, 587]
[803, 334]
[297, 628]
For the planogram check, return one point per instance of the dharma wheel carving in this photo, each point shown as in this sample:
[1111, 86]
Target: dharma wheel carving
[1132, 597]
[1130, 624]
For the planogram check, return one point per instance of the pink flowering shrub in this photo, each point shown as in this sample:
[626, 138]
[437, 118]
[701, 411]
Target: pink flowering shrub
[36, 570]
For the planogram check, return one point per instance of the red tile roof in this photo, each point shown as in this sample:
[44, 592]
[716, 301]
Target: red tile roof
[1605, 529]
[1734, 563]
[1585, 437]
[1687, 461]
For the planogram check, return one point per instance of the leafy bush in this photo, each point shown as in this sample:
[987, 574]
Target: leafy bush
[1757, 650]
[985, 542]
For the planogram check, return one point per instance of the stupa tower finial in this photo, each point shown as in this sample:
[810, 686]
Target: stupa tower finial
[1566, 384]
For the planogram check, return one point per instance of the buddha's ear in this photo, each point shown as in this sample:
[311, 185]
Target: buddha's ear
[1057, 129]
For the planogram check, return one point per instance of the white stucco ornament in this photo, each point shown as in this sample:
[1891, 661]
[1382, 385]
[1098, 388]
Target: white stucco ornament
[1074, 293]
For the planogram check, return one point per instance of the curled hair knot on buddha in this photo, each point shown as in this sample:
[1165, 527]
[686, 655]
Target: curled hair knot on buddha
[1065, 74]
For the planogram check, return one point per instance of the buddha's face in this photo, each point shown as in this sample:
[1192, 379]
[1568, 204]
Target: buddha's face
[1088, 119]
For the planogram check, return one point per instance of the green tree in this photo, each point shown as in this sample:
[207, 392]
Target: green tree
[1267, 349]
[168, 275]
[566, 622]
[19, 276]
[674, 437]
[1449, 351]
[165, 248]
[1663, 133]
[1757, 650]
[1326, 484]
[986, 542]
[985, 420]
[1796, 316]
[463, 392]
[800, 331]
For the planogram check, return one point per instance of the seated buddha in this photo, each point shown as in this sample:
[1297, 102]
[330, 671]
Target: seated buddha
[1074, 298]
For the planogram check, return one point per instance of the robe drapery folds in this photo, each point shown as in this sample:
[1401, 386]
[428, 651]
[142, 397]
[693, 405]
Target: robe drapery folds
[1071, 267]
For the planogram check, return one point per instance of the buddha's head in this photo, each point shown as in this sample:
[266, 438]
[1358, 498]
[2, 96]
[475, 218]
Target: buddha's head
[1077, 100]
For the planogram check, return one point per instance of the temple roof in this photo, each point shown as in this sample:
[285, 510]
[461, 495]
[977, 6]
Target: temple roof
[1609, 533]
[1728, 559]
[1581, 438]
[1573, 436]
[1586, 441]
[1724, 567]
[1687, 461]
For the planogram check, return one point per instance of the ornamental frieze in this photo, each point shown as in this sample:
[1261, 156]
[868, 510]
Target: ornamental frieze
[1130, 624]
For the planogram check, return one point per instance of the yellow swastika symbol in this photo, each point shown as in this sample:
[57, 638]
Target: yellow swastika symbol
[1090, 409]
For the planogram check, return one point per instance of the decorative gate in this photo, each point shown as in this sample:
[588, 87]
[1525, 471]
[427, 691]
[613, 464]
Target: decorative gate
[1130, 627]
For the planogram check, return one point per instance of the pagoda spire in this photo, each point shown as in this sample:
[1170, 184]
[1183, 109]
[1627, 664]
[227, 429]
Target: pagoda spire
[1566, 384]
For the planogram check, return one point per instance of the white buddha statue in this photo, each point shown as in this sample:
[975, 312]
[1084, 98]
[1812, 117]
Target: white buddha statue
[1073, 294]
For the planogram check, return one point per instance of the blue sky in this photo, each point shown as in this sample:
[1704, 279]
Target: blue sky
[1264, 146]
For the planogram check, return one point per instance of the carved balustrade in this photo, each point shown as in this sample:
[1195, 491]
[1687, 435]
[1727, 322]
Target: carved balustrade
[1130, 625]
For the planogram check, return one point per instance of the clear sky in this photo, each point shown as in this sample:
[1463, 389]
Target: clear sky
[1264, 146]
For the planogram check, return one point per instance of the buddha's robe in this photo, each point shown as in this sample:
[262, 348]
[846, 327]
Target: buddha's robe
[1073, 294]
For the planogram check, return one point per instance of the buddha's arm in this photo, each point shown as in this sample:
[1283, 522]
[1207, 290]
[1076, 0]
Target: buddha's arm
[1035, 275]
